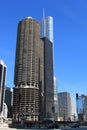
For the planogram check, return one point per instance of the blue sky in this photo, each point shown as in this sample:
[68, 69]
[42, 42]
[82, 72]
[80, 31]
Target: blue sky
[70, 38]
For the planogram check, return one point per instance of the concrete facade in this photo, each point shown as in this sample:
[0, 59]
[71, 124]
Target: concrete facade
[26, 78]
[64, 101]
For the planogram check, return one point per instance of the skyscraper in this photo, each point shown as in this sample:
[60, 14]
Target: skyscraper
[2, 84]
[47, 37]
[26, 76]
[27, 53]
[47, 28]
[33, 77]
[48, 77]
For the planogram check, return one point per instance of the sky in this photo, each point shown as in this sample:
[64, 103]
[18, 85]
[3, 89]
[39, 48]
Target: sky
[70, 38]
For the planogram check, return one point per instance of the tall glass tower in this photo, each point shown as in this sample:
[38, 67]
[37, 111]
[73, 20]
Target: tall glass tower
[47, 28]
[47, 36]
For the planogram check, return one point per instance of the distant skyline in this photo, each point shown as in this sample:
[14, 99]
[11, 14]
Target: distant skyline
[70, 38]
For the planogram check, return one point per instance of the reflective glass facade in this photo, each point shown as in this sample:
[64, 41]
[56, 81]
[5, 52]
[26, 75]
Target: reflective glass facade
[47, 28]
[48, 77]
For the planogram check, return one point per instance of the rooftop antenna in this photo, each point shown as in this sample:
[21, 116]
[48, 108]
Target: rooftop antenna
[43, 13]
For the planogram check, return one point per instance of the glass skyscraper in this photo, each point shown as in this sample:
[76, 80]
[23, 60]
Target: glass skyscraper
[47, 35]
[47, 28]
[48, 77]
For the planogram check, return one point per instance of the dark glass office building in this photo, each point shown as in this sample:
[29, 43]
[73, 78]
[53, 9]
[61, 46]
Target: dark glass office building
[2, 84]
[48, 77]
